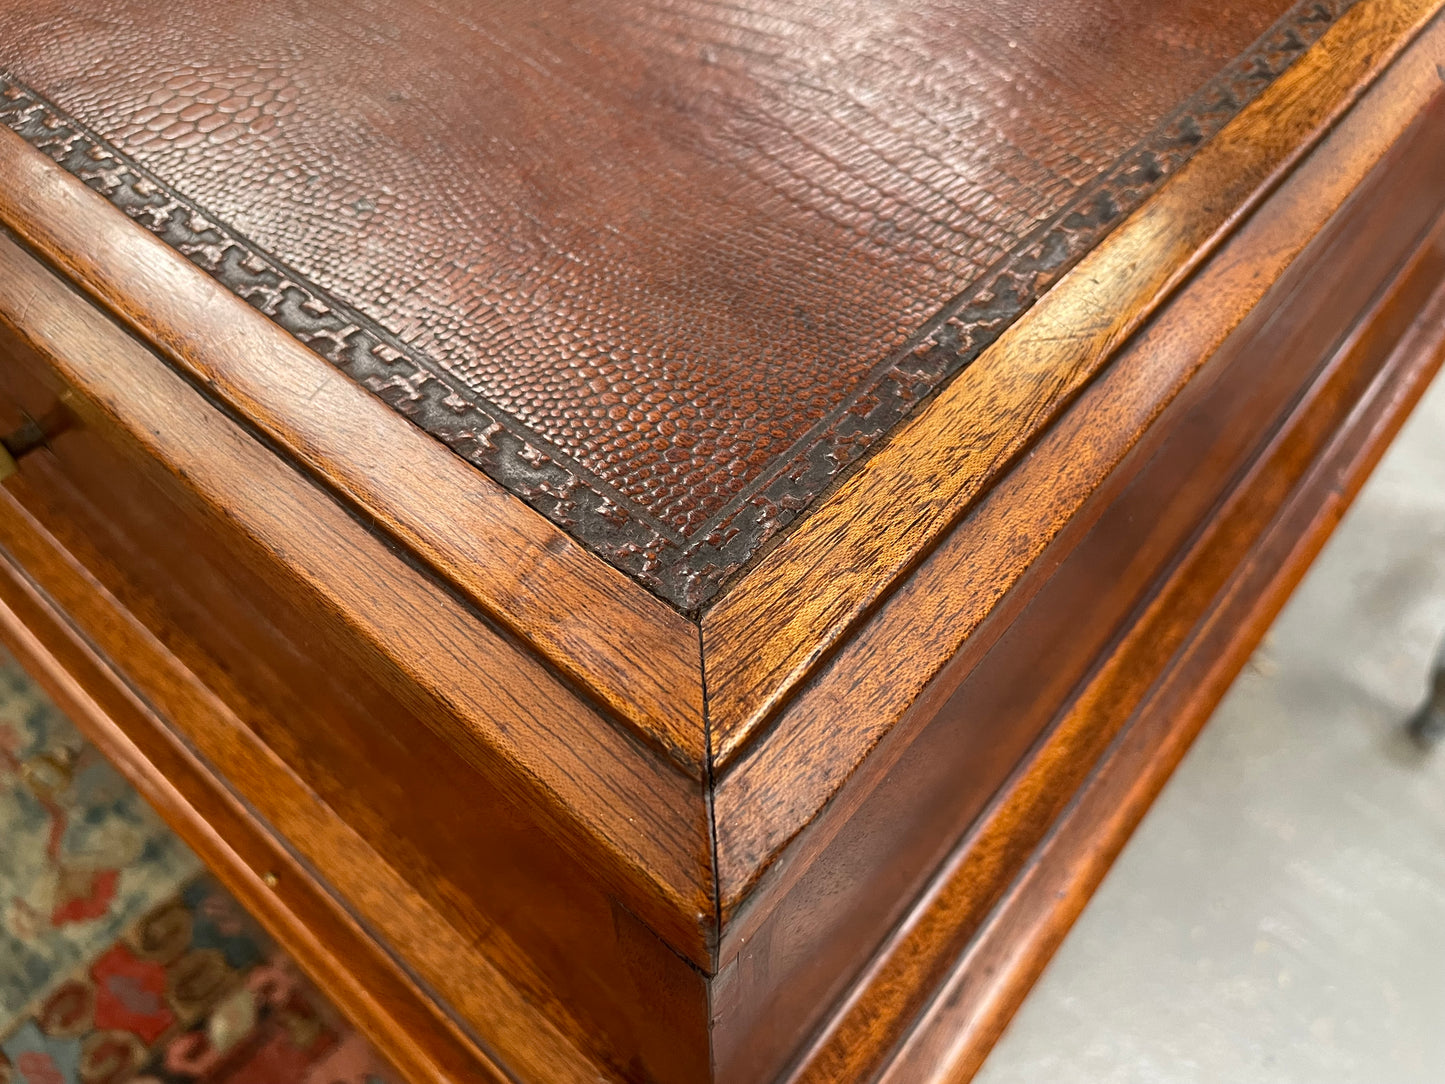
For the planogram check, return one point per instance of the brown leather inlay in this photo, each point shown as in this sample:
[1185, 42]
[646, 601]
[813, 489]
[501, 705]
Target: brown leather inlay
[673, 244]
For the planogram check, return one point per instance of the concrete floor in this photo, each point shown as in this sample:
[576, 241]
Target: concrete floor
[1280, 914]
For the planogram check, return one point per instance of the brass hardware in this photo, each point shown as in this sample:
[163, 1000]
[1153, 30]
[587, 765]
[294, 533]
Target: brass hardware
[31, 434]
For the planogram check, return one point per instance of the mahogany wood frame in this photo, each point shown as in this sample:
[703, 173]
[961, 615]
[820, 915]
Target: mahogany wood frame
[706, 766]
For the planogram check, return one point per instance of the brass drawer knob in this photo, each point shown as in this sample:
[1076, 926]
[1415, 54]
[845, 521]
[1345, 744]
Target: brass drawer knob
[32, 433]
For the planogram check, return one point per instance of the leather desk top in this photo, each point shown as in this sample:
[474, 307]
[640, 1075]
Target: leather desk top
[663, 270]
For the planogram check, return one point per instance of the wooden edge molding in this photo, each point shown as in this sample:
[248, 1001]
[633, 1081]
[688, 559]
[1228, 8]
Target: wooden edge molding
[591, 621]
[772, 628]
[780, 803]
[950, 1041]
[940, 992]
[643, 819]
[269, 875]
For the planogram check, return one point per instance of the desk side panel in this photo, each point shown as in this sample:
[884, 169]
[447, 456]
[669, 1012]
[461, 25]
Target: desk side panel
[801, 940]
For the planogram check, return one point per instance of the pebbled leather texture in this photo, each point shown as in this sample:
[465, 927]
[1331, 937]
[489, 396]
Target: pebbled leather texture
[660, 267]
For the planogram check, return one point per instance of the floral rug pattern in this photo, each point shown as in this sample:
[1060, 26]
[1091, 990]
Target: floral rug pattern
[81, 854]
[121, 962]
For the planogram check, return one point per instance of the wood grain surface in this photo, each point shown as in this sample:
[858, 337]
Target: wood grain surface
[781, 801]
[495, 703]
[972, 717]
[954, 1034]
[480, 871]
[766, 634]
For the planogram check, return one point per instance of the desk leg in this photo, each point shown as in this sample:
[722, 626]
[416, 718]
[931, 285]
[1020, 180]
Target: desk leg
[1428, 723]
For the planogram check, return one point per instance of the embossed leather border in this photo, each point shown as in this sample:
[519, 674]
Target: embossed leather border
[685, 571]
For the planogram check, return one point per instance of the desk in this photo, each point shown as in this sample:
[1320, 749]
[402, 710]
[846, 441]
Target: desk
[675, 542]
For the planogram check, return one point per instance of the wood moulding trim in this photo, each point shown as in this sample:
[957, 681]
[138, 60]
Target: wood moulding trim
[272, 877]
[765, 636]
[939, 993]
[636, 818]
[784, 798]
[591, 621]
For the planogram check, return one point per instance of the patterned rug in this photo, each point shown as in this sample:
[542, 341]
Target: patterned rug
[121, 960]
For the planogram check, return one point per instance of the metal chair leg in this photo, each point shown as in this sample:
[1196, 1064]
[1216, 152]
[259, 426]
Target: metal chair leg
[1427, 725]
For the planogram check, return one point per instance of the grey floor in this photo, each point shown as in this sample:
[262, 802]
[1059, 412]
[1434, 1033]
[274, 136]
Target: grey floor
[1280, 914]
